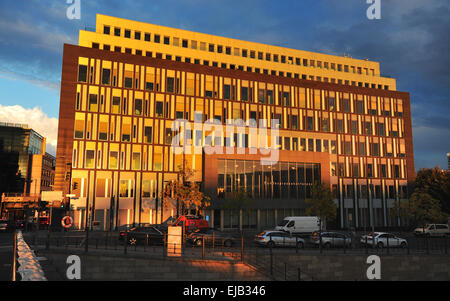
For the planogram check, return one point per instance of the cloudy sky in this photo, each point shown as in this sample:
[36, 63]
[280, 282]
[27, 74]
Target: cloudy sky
[411, 42]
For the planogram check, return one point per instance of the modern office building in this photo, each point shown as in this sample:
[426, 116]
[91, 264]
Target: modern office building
[48, 172]
[21, 156]
[448, 161]
[126, 85]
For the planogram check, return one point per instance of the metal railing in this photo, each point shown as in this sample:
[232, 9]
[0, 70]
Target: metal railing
[14, 260]
[271, 260]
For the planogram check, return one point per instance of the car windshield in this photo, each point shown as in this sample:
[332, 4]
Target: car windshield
[283, 223]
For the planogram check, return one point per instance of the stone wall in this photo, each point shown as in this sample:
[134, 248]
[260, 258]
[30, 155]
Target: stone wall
[337, 267]
[126, 267]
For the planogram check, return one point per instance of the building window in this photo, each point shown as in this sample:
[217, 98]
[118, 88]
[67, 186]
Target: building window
[138, 107]
[147, 37]
[117, 31]
[82, 73]
[90, 159]
[148, 134]
[106, 76]
[157, 38]
[159, 109]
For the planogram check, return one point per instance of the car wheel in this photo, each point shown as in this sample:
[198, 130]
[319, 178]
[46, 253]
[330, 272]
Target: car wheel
[300, 245]
[403, 245]
[228, 243]
[327, 245]
[380, 245]
[271, 244]
[132, 241]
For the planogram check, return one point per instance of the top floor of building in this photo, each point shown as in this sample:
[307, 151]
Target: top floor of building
[20, 138]
[127, 36]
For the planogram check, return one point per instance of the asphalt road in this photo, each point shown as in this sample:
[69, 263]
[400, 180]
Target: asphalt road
[6, 255]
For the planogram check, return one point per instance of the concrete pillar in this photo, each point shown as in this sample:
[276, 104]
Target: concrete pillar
[258, 219]
[240, 219]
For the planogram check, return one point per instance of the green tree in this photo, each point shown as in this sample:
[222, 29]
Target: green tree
[436, 183]
[321, 203]
[422, 208]
[184, 195]
[239, 200]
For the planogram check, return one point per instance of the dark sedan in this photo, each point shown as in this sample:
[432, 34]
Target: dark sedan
[143, 235]
[208, 235]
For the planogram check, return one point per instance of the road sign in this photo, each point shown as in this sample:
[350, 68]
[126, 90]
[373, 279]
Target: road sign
[50, 196]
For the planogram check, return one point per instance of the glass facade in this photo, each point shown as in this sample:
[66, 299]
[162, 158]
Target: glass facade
[282, 180]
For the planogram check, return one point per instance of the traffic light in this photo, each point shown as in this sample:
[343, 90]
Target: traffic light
[43, 204]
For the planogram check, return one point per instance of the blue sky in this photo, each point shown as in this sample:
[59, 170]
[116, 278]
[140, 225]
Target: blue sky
[411, 42]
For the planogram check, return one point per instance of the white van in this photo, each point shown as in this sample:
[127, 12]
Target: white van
[299, 224]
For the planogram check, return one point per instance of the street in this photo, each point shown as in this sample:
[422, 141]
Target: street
[6, 245]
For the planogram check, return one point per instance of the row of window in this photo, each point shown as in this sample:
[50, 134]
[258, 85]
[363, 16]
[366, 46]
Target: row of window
[228, 50]
[131, 132]
[253, 92]
[242, 68]
[362, 191]
[369, 170]
[281, 180]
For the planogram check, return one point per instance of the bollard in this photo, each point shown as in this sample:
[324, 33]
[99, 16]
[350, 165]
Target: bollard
[299, 275]
[320, 243]
[271, 260]
[367, 251]
[427, 244]
[345, 244]
[96, 243]
[223, 244]
[388, 245]
[242, 248]
[203, 247]
[445, 244]
[86, 241]
[285, 271]
[407, 246]
[125, 245]
[296, 244]
[164, 243]
[213, 243]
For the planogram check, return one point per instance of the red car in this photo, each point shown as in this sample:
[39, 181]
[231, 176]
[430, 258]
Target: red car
[44, 222]
[191, 222]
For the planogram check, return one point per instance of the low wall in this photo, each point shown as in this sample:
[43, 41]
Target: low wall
[332, 267]
[125, 267]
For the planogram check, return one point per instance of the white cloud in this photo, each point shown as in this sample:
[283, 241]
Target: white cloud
[36, 119]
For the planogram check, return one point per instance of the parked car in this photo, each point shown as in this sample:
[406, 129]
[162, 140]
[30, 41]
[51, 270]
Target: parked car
[279, 239]
[5, 225]
[126, 228]
[432, 230]
[196, 237]
[299, 224]
[142, 235]
[191, 222]
[382, 240]
[331, 239]
[44, 222]
[20, 224]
